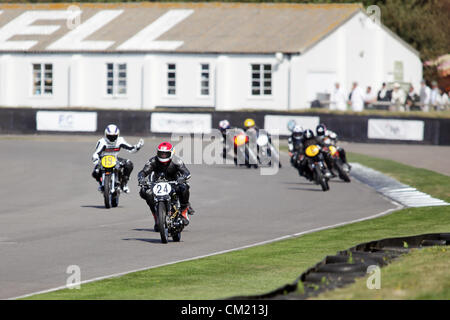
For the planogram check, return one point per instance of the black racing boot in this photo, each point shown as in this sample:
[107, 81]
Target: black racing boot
[191, 210]
[156, 227]
[349, 167]
[333, 174]
[124, 185]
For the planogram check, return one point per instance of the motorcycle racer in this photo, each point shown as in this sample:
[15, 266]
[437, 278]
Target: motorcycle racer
[328, 137]
[111, 144]
[295, 144]
[166, 164]
[309, 139]
[225, 128]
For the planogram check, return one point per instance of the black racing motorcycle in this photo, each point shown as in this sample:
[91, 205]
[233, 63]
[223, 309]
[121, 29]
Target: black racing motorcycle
[243, 153]
[334, 158]
[167, 208]
[336, 162]
[111, 173]
[316, 166]
[256, 150]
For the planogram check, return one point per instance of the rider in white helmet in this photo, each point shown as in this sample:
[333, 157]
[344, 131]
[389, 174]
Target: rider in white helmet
[111, 144]
[295, 144]
[225, 127]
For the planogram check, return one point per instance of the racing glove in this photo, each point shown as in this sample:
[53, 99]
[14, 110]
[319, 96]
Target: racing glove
[139, 144]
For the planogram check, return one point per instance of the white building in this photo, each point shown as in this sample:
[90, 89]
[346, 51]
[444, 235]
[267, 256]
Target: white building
[222, 56]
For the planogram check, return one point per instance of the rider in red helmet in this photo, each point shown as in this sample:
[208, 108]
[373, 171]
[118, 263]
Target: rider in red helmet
[166, 164]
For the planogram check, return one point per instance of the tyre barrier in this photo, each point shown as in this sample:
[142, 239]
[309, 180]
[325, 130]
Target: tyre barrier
[343, 268]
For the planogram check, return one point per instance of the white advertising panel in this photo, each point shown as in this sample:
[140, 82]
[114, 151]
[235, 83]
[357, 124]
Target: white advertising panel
[392, 129]
[272, 123]
[66, 121]
[180, 122]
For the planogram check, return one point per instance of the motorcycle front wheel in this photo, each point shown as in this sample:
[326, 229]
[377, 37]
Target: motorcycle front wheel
[107, 191]
[342, 173]
[321, 179]
[162, 223]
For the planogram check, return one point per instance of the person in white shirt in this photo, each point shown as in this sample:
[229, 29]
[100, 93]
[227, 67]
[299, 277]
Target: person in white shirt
[369, 97]
[425, 93]
[338, 98]
[444, 101]
[357, 98]
[398, 97]
[435, 96]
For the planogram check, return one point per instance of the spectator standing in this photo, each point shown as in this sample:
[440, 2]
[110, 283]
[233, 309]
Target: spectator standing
[369, 97]
[338, 99]
[411, 99]
[435, 96]
[398, 98]
[425, 93]
[357, 98]
[445, 101]
[384, 95]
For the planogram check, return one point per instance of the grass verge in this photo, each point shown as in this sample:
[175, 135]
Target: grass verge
[264, 268]
[421, 274]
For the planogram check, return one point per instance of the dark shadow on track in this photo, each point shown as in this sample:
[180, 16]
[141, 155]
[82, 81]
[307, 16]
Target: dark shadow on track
[338, 181]
[305, 189]
[144, 240]
[298, 183]
[93, 206]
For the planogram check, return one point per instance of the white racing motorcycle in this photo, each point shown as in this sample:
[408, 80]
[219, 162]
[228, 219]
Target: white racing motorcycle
[267, 154]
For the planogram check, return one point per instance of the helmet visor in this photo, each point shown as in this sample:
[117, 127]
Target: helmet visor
[164, 154]
[111, 137]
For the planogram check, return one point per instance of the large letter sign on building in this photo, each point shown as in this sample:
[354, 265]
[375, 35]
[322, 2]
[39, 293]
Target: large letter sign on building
[22, 26]
[74, 39]
[145, 39]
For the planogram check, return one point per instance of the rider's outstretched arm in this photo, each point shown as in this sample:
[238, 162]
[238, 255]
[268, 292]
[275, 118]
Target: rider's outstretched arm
[130, 148]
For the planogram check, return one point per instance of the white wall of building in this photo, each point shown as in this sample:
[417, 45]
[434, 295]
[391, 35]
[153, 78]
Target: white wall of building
[359, 51]
[17, 80]
[238, 82]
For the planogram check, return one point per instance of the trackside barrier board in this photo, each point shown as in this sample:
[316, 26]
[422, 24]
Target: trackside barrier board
[66, 121]
[180, 122]
[392, 129]
[272, 123]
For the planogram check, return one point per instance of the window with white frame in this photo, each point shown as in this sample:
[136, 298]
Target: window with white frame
[171, 79]
[116, 79]
[261, 79]
[42, 79]
[204, 79]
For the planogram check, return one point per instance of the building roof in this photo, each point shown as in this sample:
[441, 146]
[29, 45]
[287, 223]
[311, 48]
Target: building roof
[175, 27]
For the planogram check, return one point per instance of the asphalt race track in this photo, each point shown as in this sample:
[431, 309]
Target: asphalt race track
[52, 216]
